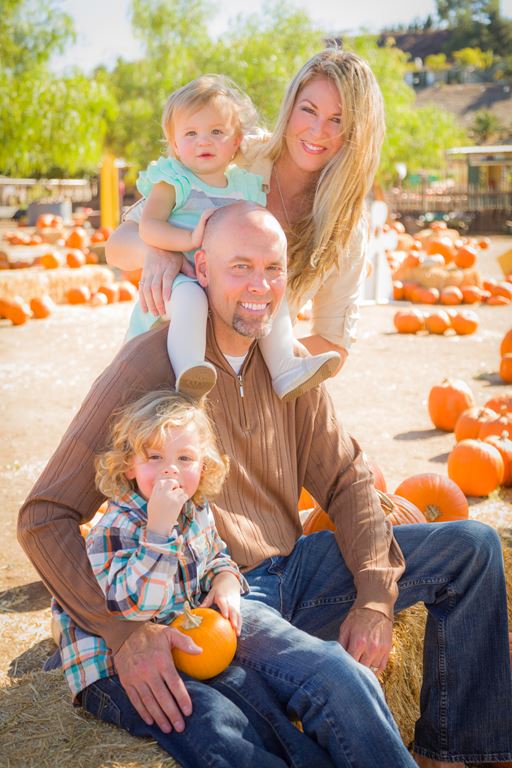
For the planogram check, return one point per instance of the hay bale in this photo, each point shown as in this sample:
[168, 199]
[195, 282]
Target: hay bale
[35, 281]
[438, 277]
[40, 729]
[401, 680]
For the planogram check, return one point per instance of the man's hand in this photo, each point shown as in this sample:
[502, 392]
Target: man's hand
[367, 635]
[147, 673]
[158, 274]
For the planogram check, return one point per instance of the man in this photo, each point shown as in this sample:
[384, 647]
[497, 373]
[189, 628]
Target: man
[341, 586]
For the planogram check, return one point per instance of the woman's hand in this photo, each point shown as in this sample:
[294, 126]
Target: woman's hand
[158, 274]
[225, 594]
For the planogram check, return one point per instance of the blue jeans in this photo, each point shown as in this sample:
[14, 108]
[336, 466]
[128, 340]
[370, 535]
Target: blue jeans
[456, 569]
[236, 723]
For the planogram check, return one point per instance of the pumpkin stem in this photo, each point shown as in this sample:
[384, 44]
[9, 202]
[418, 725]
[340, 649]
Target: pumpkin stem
[432, 512]
[191, 620]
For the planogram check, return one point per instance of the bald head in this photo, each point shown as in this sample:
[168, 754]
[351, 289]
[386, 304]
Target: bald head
[242, 218]
[242, 267]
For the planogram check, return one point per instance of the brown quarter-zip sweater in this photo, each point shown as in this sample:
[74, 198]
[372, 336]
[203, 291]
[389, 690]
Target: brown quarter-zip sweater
[275, 448]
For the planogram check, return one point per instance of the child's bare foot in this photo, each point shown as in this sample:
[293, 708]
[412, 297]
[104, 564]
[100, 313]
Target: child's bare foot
[426, 762]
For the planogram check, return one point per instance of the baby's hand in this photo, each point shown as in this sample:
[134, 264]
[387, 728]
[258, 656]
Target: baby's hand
[165, 504]
[197, 233]
[225, 594]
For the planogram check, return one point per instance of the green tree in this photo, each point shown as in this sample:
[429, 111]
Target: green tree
[49, 124]
[416, 137]
[486, 126]
[436, 61]
[473, 57]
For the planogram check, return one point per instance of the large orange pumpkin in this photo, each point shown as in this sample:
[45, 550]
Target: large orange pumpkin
[400, 511]
[469, 422]
[500, 403]
[446, 402]
[506, 367]
[436, 496]
[306, 501]
[442, 245]
[506, 343]
[495, 426]
[211, 632]
[476, 467]
[504, 445]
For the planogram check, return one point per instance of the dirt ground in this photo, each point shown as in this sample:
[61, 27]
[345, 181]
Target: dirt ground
[46, 368]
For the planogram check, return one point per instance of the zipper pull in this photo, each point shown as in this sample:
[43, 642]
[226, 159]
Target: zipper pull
[241, 385]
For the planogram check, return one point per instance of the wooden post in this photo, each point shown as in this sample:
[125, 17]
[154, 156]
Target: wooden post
[109, 192]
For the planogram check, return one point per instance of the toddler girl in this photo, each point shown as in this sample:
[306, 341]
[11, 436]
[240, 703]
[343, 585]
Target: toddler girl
[204, 124]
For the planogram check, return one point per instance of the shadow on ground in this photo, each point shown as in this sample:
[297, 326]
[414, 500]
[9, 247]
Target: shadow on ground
[25, 597]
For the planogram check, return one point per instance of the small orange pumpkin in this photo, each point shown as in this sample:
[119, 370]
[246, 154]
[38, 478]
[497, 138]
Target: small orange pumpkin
[17, 310]
[446, 402]
[476, 467]
[127, 291]
[465, 257]
[503, 289]
[75, 259]
[426, 295]
[451, 295]
[77, 238]
[211, 632]
[409, 321]
[110, 291]
[78, 295]
[436, 496]
[398, 290]
[465, 322]
[442, 245]
[42, 307]
[438, 322]
[469, 422]
[498, 301]
[50, 260]
[471, 294]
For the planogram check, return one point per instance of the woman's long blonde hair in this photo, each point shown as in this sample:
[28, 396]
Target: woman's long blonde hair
[319, 241]
[142, 425]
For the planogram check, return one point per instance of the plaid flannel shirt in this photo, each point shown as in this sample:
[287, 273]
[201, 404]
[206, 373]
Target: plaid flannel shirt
[144, 577]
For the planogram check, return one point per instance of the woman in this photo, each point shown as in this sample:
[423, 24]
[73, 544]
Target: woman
[318, 167]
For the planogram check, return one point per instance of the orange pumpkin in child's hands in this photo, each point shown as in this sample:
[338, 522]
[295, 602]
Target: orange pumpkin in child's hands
[211, 632]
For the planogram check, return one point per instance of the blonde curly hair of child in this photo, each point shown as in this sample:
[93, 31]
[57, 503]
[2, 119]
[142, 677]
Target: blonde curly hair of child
[141, 426]
[203, 91]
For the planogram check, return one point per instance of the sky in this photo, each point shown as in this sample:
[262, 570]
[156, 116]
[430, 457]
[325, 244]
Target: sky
[104, 31]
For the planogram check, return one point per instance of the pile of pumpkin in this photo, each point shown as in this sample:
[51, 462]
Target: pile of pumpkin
[461, 322]
[18, 311]
[481, 459]
[439, 254]
[424, 498]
